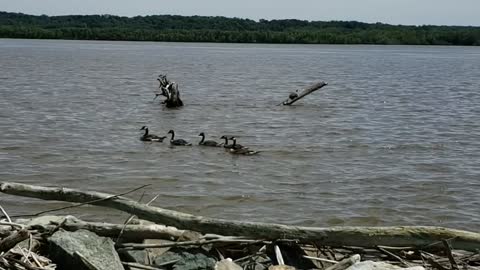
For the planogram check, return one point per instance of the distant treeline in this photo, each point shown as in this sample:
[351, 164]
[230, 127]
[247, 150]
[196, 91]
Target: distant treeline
[221, 29]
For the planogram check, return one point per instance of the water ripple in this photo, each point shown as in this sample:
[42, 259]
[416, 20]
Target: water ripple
[393, 139]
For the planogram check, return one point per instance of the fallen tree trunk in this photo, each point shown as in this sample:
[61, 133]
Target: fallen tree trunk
[129, 232]
[416, 236]
[294, 97]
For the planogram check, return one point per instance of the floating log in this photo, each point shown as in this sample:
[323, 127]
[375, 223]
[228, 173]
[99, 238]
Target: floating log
[295, 96]
[415, 236]
[169, 90]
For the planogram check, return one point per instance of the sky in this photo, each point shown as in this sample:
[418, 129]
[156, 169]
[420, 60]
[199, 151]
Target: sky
[407, 12]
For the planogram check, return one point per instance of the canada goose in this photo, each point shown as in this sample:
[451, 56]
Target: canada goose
[207, 143]
[180, 142]
[235, 145]
[239, 149]
[293, 95]
[226, 145]
[150, 137]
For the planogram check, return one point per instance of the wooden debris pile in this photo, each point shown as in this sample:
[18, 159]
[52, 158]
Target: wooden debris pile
[43, 242]
[19, 247]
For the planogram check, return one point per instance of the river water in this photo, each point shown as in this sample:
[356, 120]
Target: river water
[394, 139]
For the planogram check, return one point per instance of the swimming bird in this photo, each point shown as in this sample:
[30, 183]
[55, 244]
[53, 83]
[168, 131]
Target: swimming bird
[207, 143]
[293, 95]
[180, 142]
[150, 137]
[235, 145]
[239, 149]
[226, 145]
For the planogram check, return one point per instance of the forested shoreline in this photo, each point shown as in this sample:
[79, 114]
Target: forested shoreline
[176, 28]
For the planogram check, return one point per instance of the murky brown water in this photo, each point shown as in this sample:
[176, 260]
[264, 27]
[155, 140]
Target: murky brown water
[393, 140]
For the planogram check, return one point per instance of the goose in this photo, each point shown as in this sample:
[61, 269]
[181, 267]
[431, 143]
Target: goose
[180, 142]
[226, 145]
[238, 149]
[235, 145]
[207, 143]
[150, 137]
[293, 95]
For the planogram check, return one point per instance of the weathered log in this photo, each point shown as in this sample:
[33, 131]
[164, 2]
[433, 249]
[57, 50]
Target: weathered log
[130, 232]
[170, 91]
[416, 236]
[294, 97]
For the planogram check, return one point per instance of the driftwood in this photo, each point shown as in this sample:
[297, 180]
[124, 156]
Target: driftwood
[170, 91]
[15, 238]
[295, 96]
[128, 232]
[415, 236]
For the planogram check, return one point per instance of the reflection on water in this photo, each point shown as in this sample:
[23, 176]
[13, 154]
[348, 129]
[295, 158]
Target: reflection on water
[393, 139]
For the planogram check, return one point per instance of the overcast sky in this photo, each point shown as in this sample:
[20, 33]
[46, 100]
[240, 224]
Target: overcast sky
[411, 12]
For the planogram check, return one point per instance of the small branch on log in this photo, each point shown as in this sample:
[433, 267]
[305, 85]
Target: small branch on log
[13, 225]
[448, 251]
[294, 97]
[147, 267]
[5, 214]
[432, 261]
[133, 216]
[84, 202]
[192, 243]
[416, 236]
[394, 256]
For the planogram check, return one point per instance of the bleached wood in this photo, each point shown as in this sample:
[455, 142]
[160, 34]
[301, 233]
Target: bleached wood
[416, 236]
[305, 92]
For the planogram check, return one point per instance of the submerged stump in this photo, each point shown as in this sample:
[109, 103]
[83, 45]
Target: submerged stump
[169, 89]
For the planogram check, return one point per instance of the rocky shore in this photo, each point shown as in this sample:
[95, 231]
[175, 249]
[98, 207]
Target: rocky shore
[66, 242]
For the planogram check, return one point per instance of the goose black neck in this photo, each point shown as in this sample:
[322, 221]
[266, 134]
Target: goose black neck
[173, 135]
[146, 132]
[234, 142]
[226, 140]
[203, 138]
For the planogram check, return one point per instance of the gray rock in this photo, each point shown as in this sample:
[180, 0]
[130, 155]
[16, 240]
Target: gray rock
[227, 264]
[138, 256]
[145, 256]
[187, 259]
[370, 265]
[70, 250]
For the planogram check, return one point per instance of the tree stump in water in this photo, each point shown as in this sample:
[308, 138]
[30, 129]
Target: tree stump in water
[307, 91]
[170, 91]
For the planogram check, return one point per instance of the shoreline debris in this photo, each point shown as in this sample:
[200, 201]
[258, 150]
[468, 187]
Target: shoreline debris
[206, 243]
